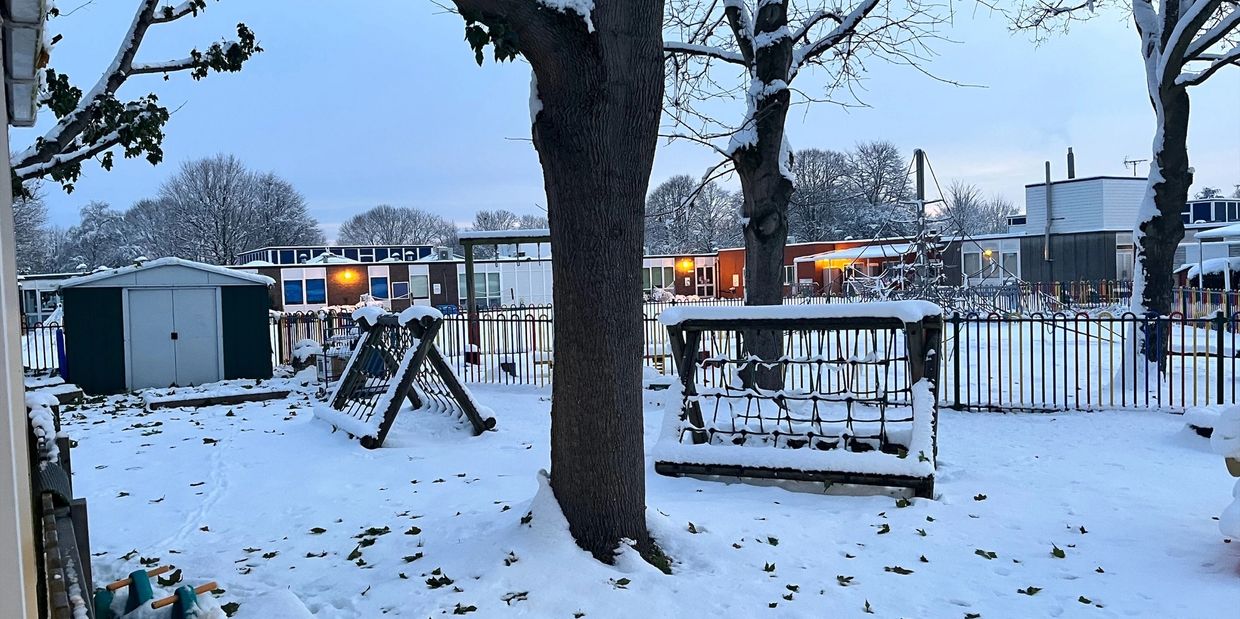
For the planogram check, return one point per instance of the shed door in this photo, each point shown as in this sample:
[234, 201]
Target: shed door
[197, 342]
[152, 352]
[173, 337]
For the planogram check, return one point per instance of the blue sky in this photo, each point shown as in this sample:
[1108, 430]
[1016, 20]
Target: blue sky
[385, 105]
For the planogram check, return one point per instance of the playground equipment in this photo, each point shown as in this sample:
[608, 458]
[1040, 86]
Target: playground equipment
[856, 401]
[141, 595]
[395, 360]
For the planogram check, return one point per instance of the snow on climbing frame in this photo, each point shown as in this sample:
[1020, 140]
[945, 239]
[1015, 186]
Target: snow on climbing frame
[395, 359]
[848, 398]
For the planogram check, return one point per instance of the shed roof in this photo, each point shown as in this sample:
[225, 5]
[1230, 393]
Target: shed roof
[1224, 232]
[216, 275]
[864, 252]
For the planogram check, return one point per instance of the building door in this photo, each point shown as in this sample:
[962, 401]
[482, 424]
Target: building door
[194, 314]
[172, 337]
[151, 350]
[705, 281]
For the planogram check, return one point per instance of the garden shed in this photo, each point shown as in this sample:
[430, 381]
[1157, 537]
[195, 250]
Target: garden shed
[165, 322]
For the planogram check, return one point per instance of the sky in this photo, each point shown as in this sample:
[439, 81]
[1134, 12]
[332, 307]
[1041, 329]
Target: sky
[386, 105]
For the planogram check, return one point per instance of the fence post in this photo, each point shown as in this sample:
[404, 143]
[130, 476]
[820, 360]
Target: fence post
[1220, 325]
[955, 320]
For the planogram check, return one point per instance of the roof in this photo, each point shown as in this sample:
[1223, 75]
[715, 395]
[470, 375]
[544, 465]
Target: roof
[23, 43]
[1224, 232]
[226, 273]
[1141, 179]
[532, 235]
[326, 258]
[865, 252]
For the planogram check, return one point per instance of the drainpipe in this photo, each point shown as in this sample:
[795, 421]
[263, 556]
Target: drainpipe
[1046, 235]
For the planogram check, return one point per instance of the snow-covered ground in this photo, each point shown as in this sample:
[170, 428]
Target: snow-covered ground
[1086, 514]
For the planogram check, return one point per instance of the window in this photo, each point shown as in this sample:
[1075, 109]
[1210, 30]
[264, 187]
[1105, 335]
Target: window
[789, 275]
[293, 293]
[286, 257]
[645, 279]
[381, 254]
[400, 290]
[316, 290]
[669, 276]
[1201, 211]
[350, 253]
[1231, 211]
[379, 287]
[486, 290]
[366, 255]
[1011, 264]
[972, 263]
[420, 286]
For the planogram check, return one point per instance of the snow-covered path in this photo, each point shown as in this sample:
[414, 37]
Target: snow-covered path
[263, 497]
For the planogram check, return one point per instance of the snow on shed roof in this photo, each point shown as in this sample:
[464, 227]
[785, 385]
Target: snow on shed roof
[860, 253]
[326, 258]
[95, 278]
[1212, 266]
[1225, 232]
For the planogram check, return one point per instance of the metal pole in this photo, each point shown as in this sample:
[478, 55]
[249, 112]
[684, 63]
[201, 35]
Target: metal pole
[471, 302]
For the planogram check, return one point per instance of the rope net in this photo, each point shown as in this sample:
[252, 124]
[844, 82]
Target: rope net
[841, 389]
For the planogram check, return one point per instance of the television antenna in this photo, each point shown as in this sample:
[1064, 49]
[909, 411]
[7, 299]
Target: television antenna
[1134, 163]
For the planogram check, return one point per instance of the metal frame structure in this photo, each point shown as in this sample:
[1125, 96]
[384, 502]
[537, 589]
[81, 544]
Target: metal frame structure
[918, 360]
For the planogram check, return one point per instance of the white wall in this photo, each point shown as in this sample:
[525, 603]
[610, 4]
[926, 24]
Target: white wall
[17, 550]
[1086, 205]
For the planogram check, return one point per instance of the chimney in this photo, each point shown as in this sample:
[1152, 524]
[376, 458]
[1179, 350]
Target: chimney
[1071, 164]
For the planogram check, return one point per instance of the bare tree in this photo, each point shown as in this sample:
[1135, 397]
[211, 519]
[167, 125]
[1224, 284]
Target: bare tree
[392, 225]
[149, 225]
[719, 49]
[968, 213]
[819, 209]
[532, 222]
[98, 240]
[30, 225]
[685, 215]
[502, 219]
[93, 124]
[595, 104]
[216, 208]
[1183, 44]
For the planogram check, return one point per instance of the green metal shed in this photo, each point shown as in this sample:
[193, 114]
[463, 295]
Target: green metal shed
[163, 323]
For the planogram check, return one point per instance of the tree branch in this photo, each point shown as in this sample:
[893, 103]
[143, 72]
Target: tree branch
[1215, 34]
[742, 27]
[169, 13]
[1193, 78]
[690, 49]
[846, 28]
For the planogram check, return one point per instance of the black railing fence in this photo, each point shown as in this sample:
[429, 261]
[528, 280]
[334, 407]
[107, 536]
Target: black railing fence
[992, 360]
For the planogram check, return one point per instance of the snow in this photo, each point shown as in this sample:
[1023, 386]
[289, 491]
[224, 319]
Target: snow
[348, 423]
[1226, 442]
[583, 8]
[369, 314]
[906, 311]
[329, 258]
[43, 423]
[1214, 265]
[272, 508]
[766, 39]
[536, 105]
[865, 252]
[415, 313]
[106, 273]
[523, 233]
[1225, 232]
[303, 350]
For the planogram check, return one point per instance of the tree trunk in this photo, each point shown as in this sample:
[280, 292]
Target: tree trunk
[1161, 232]
[596, 134]
[766, 196]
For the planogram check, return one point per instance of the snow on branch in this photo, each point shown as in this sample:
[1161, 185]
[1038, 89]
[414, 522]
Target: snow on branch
[91, 123]
[169, 13]
[846, 28]
[1227, 25]
[1217, 61]
[718, 53]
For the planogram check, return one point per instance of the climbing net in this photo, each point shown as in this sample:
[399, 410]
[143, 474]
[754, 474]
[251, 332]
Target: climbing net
[833, 388]
[840, 390]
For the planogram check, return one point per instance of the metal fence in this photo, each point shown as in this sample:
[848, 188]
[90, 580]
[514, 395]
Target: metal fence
[994, 360]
